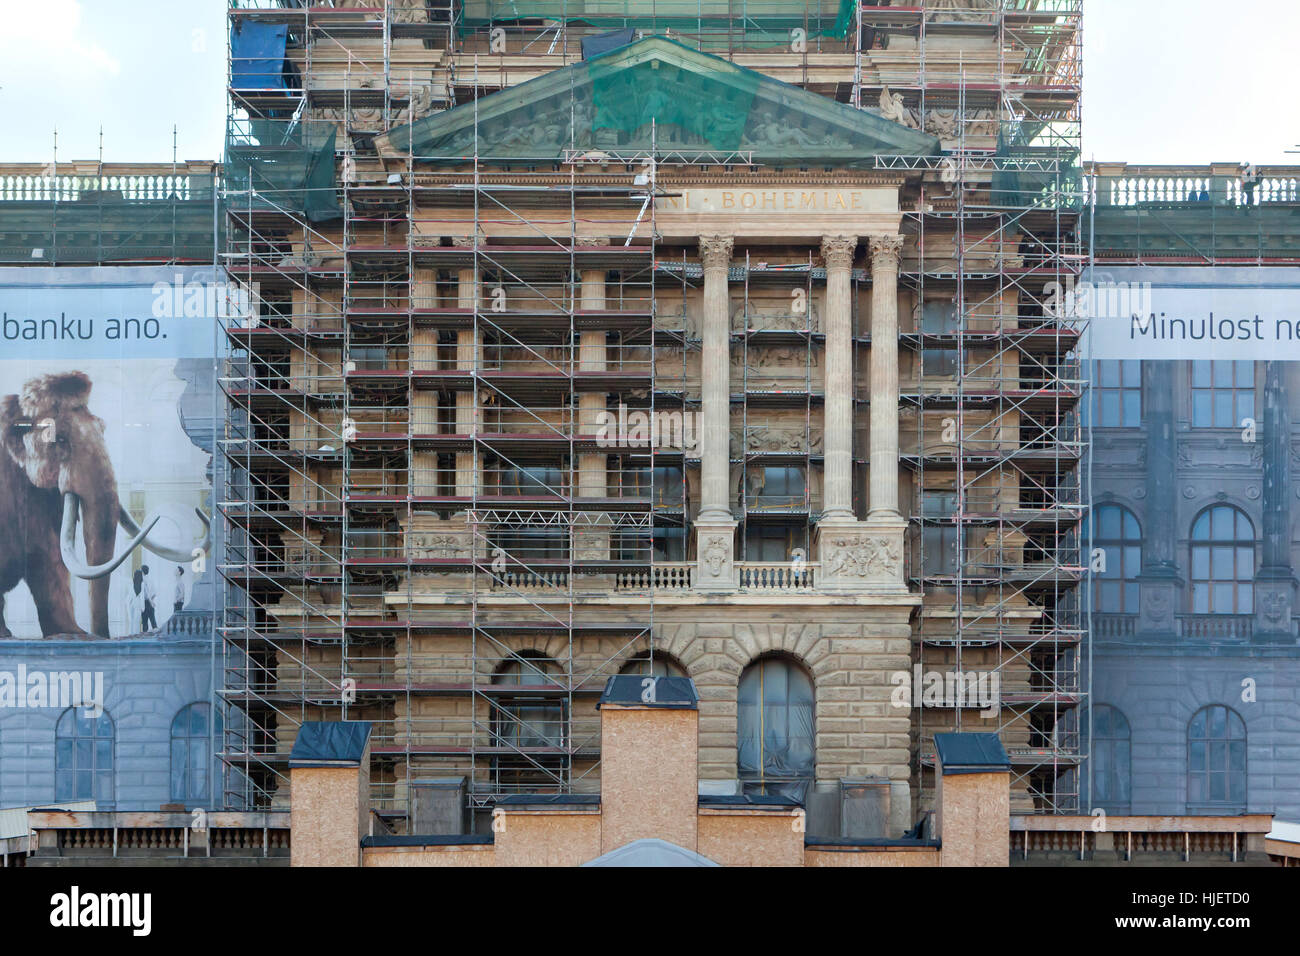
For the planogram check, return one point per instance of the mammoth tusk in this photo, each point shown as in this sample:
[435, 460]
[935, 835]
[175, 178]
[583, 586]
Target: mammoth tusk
[68, 543]
[171, 554]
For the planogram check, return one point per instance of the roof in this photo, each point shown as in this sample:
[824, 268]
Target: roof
[971, 753]
[335, 743]
[693, 101]
[651, 852]
[13, 821]
[1285, 832]
[642, 690]
[751, 800]
[454, 839]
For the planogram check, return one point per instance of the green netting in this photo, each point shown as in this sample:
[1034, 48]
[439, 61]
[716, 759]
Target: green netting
[278, 164]
[716, 24]
[113, 223]
[626, 99]
[1194, 229]
[1037, 169]
[692, 101]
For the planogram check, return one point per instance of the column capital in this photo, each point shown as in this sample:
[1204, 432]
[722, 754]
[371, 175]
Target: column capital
[885, 250]
[715, 251]
[838, 251]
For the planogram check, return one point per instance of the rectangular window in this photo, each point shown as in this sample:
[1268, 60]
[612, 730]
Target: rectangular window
[772, 543]
[669, 486]
[1223, 393]
[939, 317]
[1116, 394]
[775, 488]
[670, 544]
[939, 362]
[939, 541]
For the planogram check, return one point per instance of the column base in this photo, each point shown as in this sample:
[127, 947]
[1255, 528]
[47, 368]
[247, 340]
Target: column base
[862, 556]
[715, 550]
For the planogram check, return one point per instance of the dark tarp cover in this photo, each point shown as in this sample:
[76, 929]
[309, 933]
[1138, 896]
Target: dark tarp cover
[257, 55]
[595, 46]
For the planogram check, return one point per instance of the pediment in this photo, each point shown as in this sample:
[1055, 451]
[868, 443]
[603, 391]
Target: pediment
[662, 92]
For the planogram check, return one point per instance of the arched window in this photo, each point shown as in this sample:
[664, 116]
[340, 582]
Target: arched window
[83, 757]
[528, 710]
[1216, 759]
[661, 665]
[1112, 759]
[1118, 535]
[775, 747]
[192, 736]
[1223, 562]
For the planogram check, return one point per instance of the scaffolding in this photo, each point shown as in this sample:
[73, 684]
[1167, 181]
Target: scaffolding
[991, 399]
[438, 519]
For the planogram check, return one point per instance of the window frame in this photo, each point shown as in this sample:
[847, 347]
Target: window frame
[1229, 743]
[97, 771]
[761, 781]
[1095, 407]
[1119, 768]
[1237, 391]
[188, 739]
[1120, 547]
[1210, 545]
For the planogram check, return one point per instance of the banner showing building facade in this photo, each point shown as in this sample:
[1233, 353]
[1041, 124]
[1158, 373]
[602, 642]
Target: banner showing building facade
[1194, 545]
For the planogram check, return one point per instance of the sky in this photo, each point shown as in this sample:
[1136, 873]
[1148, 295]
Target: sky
[1167, 81]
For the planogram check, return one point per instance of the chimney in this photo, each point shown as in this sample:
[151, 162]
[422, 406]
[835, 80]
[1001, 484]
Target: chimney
[649, 760]
[329, 780]
[973, 805]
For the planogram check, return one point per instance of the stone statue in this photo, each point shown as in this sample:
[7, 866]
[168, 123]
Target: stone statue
[892, 108]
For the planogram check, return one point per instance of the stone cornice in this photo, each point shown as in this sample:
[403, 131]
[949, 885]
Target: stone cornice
[668, 179]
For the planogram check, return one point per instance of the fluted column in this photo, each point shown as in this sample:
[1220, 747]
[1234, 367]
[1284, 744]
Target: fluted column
[715, 391]
[885, 251]
[838, 478]
[714, 526]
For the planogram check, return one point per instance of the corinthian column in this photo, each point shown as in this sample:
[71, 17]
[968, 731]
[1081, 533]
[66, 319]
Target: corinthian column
[838, 478]
[861, 555]
[714, 527]
[884, 378]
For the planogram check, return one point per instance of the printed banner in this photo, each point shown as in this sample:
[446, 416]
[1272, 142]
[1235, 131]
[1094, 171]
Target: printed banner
[107, 416]
[1219, 313]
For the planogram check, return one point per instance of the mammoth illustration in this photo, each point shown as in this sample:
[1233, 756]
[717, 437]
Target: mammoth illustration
[55, 473]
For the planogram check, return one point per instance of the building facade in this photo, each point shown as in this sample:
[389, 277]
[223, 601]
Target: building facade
[678, 342]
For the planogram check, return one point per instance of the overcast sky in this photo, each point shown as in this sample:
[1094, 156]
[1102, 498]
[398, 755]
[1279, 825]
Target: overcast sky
[1168, 81]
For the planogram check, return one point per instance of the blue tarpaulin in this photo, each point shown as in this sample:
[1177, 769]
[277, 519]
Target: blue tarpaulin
[257, 55]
